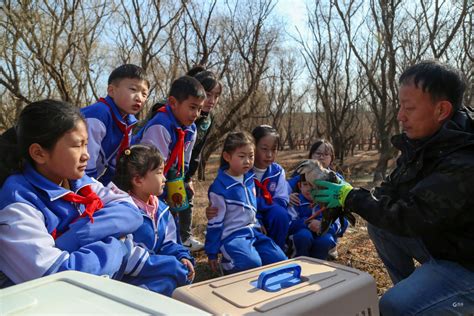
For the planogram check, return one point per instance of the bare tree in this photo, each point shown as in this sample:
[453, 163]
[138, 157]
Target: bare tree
[245, 44]
[144, 35]
[327, 59]
[53, 50]
[206, 37]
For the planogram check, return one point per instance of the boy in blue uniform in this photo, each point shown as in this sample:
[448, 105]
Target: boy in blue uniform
[235, 231]
[172, 130]
[306, 224]
[111, 119]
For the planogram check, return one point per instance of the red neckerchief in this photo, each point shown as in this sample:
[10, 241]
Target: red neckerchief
[87, 197]
[178, 149]
[125, 143]
[265, 193]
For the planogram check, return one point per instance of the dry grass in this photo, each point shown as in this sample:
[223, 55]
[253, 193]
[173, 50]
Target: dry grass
[355, 248]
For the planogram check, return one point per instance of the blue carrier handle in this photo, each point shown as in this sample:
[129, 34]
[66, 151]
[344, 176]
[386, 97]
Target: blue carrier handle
[278, 278]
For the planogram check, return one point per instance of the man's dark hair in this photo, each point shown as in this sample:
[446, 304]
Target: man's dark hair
[129, 71]
[185, 87]
[441, 81]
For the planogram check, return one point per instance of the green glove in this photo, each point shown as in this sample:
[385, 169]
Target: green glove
[334, 195]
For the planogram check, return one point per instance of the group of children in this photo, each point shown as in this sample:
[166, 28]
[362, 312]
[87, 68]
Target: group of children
[80, 191]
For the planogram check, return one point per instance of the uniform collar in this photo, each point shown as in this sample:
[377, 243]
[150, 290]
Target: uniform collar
[303, 200]
[175, 122]
[228, 181]
[128, 120]
[270, 172]
[52, 190]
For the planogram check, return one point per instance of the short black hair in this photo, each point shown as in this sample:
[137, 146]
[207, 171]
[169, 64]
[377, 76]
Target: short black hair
[129, 71]
[185, 87]
[441, 81]
[317, 144]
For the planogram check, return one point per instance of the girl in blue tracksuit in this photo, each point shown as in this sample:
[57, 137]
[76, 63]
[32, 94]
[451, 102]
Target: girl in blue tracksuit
[304, 227]
[235, 231]
[140, 173]
[271, 185]
[53, 217]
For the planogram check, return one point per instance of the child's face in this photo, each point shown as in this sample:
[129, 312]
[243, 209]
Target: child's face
[68, 158]
[187, 111]
[212, 97]
[324, 155]
[240, 161]
[266, 151]
[129, 95]
[305, 188]
[152, 183]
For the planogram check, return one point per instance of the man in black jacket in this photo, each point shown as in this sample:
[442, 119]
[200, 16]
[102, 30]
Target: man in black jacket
[425, 209]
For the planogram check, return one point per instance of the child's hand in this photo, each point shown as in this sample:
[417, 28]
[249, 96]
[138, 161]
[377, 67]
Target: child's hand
[213, 264]
[190, 267]
[191, 187]
[211, 212]
[315, 226]
[294, 199]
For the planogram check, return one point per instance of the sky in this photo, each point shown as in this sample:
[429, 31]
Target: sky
[294, 12]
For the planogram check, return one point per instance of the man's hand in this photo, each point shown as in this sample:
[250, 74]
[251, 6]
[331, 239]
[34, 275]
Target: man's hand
[190, 267]
[332, 194]
[211, 212]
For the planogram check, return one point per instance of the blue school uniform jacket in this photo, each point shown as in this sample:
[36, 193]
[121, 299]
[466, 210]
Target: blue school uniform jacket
[104, 138]
[31, 208]
[277, 186]
[160, 131]
[236, 204]
[160, 236]
[299, 213]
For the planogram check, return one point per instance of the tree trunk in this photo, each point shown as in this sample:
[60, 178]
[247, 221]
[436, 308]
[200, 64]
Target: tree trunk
[385, 155]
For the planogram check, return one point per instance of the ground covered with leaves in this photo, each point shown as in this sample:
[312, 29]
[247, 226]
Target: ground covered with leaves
[355, 249]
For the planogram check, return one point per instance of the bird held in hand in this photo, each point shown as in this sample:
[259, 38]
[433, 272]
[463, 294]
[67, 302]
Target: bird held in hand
[311, 170]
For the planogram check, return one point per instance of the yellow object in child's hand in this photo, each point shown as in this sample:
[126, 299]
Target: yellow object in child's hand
[176, 195]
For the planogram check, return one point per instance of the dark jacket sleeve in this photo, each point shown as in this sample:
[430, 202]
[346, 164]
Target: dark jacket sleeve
[196, 155]
[437, 202]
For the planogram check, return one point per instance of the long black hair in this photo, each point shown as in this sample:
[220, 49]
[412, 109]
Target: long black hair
[207, 78]
[42, 122]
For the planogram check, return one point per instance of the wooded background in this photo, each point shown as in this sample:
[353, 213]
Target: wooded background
[335, 79]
